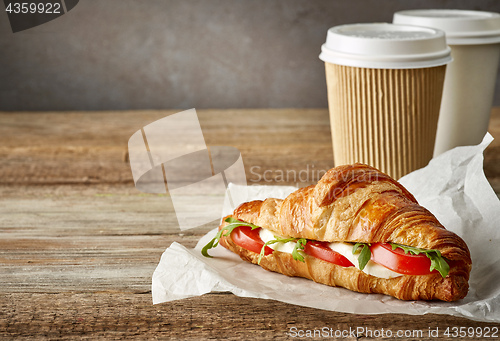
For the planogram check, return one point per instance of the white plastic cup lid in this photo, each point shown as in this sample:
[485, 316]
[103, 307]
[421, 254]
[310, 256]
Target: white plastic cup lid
[461, 27]
[385, 46]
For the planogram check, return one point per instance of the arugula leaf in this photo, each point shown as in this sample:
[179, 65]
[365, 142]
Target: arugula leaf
[299, 245]
[272, 241]
[234, 223]
[364, 255]
[437, 261]
[225, 231]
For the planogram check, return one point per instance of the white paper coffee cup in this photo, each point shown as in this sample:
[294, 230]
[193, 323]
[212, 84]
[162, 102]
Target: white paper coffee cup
[474, 38]
[384, 92]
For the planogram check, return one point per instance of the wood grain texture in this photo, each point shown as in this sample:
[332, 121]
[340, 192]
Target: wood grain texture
[79, 244]
[117, 316]
[91, 148]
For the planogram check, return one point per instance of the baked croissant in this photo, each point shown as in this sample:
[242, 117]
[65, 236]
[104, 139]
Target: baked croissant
[357, 204]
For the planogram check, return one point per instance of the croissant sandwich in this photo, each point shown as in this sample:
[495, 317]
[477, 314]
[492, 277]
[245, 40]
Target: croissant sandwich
[356, 228]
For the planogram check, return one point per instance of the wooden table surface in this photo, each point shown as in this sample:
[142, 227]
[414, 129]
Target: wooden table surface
[79, 243]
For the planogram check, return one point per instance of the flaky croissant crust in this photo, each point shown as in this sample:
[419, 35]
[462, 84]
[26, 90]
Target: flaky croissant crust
[358, 203]
[406, 287]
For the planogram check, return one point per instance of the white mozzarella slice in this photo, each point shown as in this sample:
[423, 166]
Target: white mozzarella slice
[267, 235]
[371, 268]
[345, 249]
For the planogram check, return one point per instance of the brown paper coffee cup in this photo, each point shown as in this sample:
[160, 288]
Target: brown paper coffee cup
[386, 118]
[385, 84]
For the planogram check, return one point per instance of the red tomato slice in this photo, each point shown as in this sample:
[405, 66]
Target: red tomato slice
[396, 260]
[322, 251]
[249, 239]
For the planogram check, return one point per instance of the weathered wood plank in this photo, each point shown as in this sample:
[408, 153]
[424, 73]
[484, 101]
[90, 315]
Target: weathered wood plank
[78, 243]
[84, 242]
[91, 148]
[119, 316]
[73, 148]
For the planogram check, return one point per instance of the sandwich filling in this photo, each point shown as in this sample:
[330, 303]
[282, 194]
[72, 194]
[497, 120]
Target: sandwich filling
[383, 260]
[344, 249]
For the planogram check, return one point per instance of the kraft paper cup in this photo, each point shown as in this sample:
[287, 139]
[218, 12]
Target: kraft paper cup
[384, 86]
[474, 39]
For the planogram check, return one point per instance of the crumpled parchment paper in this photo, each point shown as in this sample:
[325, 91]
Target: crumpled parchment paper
[453, 187]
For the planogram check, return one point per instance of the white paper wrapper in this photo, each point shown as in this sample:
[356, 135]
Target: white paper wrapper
[452, 186]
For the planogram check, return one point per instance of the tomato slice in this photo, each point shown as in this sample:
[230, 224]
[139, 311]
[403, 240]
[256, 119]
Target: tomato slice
[249, 239]
[322, 251]
[396, 260]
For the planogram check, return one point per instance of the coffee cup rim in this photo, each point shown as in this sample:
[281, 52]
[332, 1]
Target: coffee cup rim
[461, 27]
[385, 45]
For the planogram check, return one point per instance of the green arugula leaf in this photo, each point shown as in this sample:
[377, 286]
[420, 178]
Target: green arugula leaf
[364, 255]
[270, 242]
[299, 245]
[437, 261]
[355, 247]
[225, 231]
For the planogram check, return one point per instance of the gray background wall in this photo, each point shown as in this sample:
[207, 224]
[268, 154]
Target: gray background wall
[153, 54]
